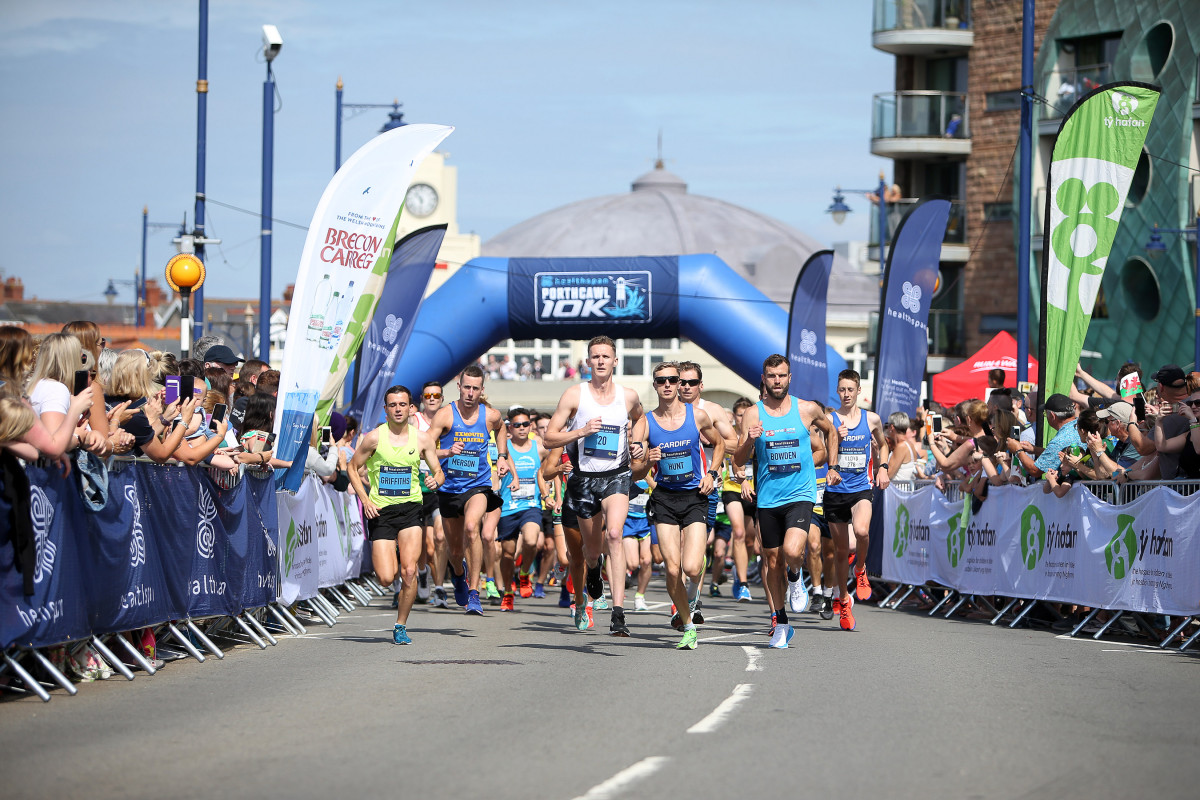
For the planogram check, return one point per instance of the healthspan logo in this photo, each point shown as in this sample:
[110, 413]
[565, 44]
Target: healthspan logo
[911, 297]
[900, 540]
[206, 535]
[1122, 549]
[1033, 537]
[41, 513]
[808, 342]
[391, 328]
[593, 296]
[137, 542]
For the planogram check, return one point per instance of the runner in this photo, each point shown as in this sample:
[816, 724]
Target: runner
[392, 505]
[798, 597]
[551, 499]
[820, 551]
[462, 431]
[436, 554]
[679, 505]
[739, 507]
[596, 413]
[521, 514]
[560, 462]
[776, 432]
[637, 539]
[490, 529]
[848, 502]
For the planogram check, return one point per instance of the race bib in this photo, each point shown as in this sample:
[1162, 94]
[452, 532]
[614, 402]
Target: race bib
[639, 501]
[783, 455]
[394, 481]
[748, 471]
[676, 466]
[853, 461]
[820, 496]
[463, 465]
[525, 492]
[603, 443]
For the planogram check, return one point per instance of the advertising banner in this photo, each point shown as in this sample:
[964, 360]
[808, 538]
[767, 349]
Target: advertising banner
[555, 297]
[349, 244]
[1091, 169]
[806, 330]
[298, 549]
[1142, 556]
[412, 262]
[908, 284]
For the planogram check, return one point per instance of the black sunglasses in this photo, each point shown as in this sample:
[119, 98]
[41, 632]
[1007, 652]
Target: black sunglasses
[671, 379]
[519, 424]
[690, 381]
[1193, 403]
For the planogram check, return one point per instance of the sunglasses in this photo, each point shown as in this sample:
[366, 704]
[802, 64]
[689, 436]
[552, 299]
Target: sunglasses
[671, 379]
[1193, 403]
[690, 382]
[431, 396]
[519, 424]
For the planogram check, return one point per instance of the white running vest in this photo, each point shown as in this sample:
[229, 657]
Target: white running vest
[608, 448]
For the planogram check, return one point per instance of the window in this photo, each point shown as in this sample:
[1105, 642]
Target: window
[997, 212]
[662, 343]
[1003, 101]
[632, 365]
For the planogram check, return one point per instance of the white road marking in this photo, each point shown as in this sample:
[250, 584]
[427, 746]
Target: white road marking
[617, 784]
[727, 636]
[723, 711]
[1089, 640]
[1154, 651]
[753, 654]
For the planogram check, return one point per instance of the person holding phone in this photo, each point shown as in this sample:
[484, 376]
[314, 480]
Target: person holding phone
[148, 419]
[1062, 415]
[59, 361]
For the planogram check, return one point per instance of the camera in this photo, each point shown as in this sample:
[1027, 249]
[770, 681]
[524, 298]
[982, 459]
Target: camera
[272, 42]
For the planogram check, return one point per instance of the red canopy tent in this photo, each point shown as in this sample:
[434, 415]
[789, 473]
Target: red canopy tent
[969, 379]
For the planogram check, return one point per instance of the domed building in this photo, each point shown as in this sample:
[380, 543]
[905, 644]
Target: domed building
[660, 217]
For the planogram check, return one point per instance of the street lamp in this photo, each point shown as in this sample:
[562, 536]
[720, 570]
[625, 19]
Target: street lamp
[185, 272]
[395, 120]
[272, 44]
[838, 210]
[1156, 247]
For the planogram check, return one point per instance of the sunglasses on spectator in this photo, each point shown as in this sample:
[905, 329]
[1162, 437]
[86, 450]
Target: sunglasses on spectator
[1193, 403]
[520, 424]
[428, 396]
[690, 381]
[659, 380]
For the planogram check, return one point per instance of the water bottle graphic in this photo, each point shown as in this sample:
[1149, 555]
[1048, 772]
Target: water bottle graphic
[620, 293]
[327, 328]
[318, 310]
[343, 312]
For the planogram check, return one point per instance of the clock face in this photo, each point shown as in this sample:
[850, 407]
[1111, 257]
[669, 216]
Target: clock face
[421, 200]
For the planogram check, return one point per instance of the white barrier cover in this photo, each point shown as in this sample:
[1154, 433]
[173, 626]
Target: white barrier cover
[298, 550]
[1142, 556]
[339, 543]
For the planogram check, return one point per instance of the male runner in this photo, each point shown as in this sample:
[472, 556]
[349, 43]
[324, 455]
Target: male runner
[462, 431]
[785, 483]
[436, 552]
[521, 514]
[551, 545]
[560, 462]
[637, 538]
[739, 507]
[391, 453]
[596, 414]
[848, 502]
[679, 506]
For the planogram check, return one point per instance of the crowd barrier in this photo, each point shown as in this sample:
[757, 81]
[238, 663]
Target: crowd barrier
[1127, 549]
[171, 547]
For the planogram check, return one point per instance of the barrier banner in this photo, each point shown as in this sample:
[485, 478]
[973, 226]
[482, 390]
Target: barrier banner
[331, 553]
[908, 284]
[806, 331]
[349, 244]
[298, 548]
[347, 514]
[1143, 556]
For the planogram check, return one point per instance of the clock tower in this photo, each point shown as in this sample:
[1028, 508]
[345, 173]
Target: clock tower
[432, 199]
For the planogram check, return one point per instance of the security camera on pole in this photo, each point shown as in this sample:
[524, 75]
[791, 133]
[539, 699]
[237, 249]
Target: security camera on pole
[185, 272]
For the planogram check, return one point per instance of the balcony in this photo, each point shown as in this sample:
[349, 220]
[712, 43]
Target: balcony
[1066, 86]
[920, 124]
[922, 27]
[954, 245]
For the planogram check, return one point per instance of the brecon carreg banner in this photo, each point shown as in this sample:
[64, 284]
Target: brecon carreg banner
[806, 329]
[349, 244]
[908, 284]
[1091, 169]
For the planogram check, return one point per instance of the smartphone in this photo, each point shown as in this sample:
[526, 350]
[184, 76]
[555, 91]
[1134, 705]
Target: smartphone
[937, 423]
[1015, 433]
[172, 386]
[327, 435]
[81, 380]
[218, 414]
[1139, 407]
[270, 442]
[187, 386]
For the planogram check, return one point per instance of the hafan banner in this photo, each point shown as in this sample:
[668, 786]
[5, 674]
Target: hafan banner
[345, 258]
[1143, 556]
[321, 539]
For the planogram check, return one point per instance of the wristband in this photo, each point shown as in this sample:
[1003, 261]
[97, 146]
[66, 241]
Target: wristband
[834, 467]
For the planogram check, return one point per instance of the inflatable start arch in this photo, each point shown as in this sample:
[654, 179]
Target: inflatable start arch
[694, 296]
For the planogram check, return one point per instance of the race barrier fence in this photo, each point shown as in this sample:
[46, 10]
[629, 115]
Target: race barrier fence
[191, 553]
[1120, 549]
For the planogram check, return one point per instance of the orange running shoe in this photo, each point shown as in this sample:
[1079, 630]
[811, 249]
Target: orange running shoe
[526, 585]
[862, 586]
[506, 602]
[570, 584]
[591, 620]
[846, 611]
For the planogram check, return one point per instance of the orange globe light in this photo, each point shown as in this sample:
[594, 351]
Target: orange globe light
[185, 272]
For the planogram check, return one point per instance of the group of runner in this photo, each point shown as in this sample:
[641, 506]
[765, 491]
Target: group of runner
[603, 484]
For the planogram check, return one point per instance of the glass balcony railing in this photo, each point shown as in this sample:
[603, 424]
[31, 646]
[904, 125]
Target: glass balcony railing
[956, 228]
[917, 114]
[893, 15]
[1064, 87]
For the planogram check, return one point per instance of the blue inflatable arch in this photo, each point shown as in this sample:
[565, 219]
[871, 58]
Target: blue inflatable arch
[694, 296]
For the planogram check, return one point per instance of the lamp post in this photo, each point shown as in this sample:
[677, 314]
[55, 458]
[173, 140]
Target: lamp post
[272, 44]
[395, 120]
[1156, 247]
[140, 288]
[185, 272]
[838, 210]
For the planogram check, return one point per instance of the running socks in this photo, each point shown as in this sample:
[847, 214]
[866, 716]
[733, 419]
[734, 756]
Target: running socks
[793, 575]
[781, 616]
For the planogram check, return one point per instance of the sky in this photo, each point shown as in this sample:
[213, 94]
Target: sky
[761, 103]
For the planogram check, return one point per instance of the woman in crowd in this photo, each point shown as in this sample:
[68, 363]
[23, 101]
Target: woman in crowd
[150, 424]
[59, 356]
[975, 416]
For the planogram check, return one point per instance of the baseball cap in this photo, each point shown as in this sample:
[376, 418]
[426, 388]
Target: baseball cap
[1121, 411]
[221, 354]
[1058, 403]
[1170, 375]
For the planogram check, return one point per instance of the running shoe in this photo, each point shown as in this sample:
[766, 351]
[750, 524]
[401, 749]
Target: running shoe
[595, 583]
[846, 612]
[736, 586]
[460, 585]
[826, 608]
[797, 596]
[423, 584]
[781, 636]
[473, 604]
[526, 585]
[591, 620]
[492, 592]
[400, 635]
[688, 642]
[742, 593]
[539, 591]
[773, 625]
[506, 602]
[862, 585]
[564, 598]
[439, 599]
[639, 603]
[580, 615]
[713, 591]
[616, 626]
[697, 617]
[676, 620]
[600, 603]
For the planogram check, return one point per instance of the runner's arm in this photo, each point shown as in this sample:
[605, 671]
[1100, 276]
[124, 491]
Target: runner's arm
[881, 448]
[365, 449]
[568, 404]
[639, 435]
[745, 446]
[428, 452]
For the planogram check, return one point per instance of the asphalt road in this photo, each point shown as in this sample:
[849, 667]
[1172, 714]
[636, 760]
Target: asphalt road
[521, 705]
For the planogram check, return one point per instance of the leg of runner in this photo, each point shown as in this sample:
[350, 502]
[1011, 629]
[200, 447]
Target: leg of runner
[843, 605]
[546, 563]
[460, 557]
[645, 566]
[472, 524]
[670, 541]
[409, 542]
[828, 555]
[508, 552]
[736, 512]
[491, 521]
[441, 556]
[528, 543]
[577, 566]
[862, 527]
[616, 506]
[694, 538]
[813, 557]
[718, 564]
[793, 554]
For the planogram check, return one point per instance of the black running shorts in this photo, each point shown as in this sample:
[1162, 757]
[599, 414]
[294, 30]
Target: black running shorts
[774, 523]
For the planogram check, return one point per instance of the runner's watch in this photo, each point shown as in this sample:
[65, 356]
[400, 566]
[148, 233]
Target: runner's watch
[714, 474]
[834, 467]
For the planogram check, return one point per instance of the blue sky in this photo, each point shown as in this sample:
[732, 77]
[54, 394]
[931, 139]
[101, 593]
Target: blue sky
[762, 104]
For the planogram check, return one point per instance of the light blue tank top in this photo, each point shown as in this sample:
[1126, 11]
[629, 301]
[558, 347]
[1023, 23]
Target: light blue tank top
[784, 471]
[682, 463]
[854, 453]
[469, 469]
[527, 496]
[637, 505]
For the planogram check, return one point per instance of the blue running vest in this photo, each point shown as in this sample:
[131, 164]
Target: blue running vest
[527, 495]
[783, 454]
[469, 469]
[682, 463]
[854, 453]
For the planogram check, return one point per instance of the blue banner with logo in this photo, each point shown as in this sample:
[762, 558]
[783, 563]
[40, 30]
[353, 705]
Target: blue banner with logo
[806, 331]
[167, 544]
[411, 264]
[908, 284]
[563, 297]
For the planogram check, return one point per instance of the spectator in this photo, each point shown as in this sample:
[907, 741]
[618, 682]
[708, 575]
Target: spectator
[906, 456]
[217, 379]
[18, 352]
[976, 417]
[526, 368]
[59, 356]
[221, 356]
[1061, 415]
[508, 369]
[538, 370]
[1189, 457]
[149, 425]
[88, 334]
[165, 364]
[203, 344]
[104, 365]
[1125, 434]
[1172, 425]
[268, 383]
[245, 385]
[995, 379]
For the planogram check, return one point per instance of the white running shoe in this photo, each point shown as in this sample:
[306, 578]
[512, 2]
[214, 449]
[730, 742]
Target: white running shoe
[423, 584]
[797, 596]
[639, 603]
[781, 637]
